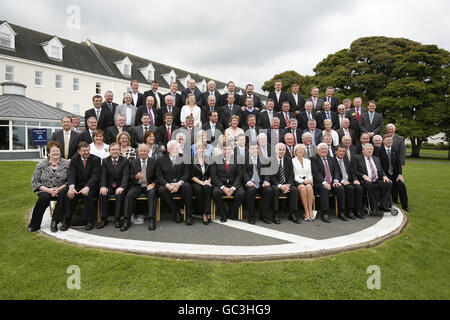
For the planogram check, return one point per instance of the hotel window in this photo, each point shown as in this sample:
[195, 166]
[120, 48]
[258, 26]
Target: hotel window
[58, 81]
[38, 78]
[76, 84]
[5, 40]
[150, 75]
[76, 109]
[98, 88]
[127, 69]
[9, 73]
[55, 52]
[59, 105]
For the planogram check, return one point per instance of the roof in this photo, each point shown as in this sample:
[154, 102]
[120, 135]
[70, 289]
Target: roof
[18, 106]
[94, 58]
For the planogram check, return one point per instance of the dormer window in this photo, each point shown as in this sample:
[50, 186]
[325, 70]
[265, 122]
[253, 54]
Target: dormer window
[124, 66]
[53, 48]
[148, 72]
[55, 52]
[127, 69]
[7, 36]
[170, 77]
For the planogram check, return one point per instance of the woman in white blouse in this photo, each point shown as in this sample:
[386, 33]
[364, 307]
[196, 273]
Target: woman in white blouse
[233, 131]
[327, 123]
[304, 180]
[98, 147]
[191, 109]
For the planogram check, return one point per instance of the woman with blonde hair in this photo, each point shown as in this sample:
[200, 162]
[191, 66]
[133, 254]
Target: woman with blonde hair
[124, 141]
[191, 109]
[233, 131]
[304, 180]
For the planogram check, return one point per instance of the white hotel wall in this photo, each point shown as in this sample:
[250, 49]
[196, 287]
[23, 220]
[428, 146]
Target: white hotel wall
[24, 72]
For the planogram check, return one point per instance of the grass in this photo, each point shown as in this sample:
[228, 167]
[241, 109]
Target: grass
[415, 265]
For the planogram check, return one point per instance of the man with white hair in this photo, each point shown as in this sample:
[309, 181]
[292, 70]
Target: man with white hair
[127, 110]
[345, 130]
[370, 173]
[191, 89]
[177, 100]
[398, 143]
[326, 180]
[211, 91]
[310, 149]
[173, 180]
[306, 115]
[264, 149]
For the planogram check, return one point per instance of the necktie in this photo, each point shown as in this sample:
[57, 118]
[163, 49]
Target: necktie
[315, 102]
[255, 177]
[114, 165]
[168, 133]
[98, 113]
[390, 170]
[145, 129]
[309, 116]
[144, 174]
[327, 171]
[344, 172]
[295, 140]
[150, 115]
[281, 171]
[66, 144]
[374, 175]
[328, 115]
[226, 164]
[307, 151]
[371, 117]
[341, 117]
[110, 107]
[84, 163]
[120, 129]
[287, 118]
[92, 135]
[348, 154]
[276, 135]
[213, 129]
[169, 109]
[357, 114]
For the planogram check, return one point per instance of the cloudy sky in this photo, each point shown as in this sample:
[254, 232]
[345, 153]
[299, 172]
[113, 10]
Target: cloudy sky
[247, 41]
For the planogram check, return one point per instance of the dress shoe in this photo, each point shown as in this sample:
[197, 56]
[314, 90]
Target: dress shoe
[266, 220]
[102, 224]
[359, 215]
[351, 216]
[385, 209]
[189, 221]
[31, 229]
[65, 226]
[407, 209]
[152, 224]
[126, 224]
[209, 219]
[177, 217]
[54, 226]
[342, 216]
[276, 219]
[117, 223]
[223, 219]
[89, 226]
[293, 218]
[325, 218]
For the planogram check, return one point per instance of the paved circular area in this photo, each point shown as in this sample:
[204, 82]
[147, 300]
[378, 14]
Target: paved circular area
[239, 240]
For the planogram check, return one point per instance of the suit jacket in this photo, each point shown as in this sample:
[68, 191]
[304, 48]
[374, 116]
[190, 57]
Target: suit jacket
[136, 167]
[112, 110]
[238, 157]
[206, 110]
[204, 99]
[278, 103]
[245, 114]
[376, 126]
[247, 170]
[319, 172]
[320, 117]
[223, 99]
[196, 171]
[150, 93]
[300, 106]
[86, 136]
[353, 152]
[360, 168]
[395, 161]
[168, 174]
[81, 176]
[176, 112]
[218, 131]
[263, 119]
[341, 133]
[139, 101]
[291, 115]
[105, 121]
[312, 151]
[144, 110]
[288, 172]
[351, 114]
[226, 114]
[297, 133]
[121, 175]
[302, 119]
[137, 135]
[399, 144]
[187, 92]
[121, 110]
[318, 105]
[348, 168]
[271, 135]
[317, 136]
[334, 103]
[248, 133]
[179, 103]
[162, 136]
[221, 177]
[73, 142]
[256, 101]
[112, 132]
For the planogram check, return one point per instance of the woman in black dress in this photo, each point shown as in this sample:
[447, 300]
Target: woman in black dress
[201, 178]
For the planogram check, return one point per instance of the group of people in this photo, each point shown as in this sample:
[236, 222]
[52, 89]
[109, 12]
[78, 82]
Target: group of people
[193, 146]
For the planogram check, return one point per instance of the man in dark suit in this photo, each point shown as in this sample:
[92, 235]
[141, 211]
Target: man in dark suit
[257, 104]
[88, 135]
[169, 108]
[264, 148]
[306, 115]
[334, 102]
[285, 115]
[153, 92]
[256, 180]
[391, 163]
[165, 132]
[371, 121]
[327, 114]
[326, 180]
[296, 100]
[353, 189]
[370, 173]
[230, 90]
[275, 134]
[354, 114]
[211, 106]
[251, 129]
[191, 89]
[229, 109]
[310, 149]
[288, 139]
[351, 150]
[212, 127]
[398, 143]
[295, 131]
[241, 150]
[283, 183]
[178, 100]
[112, 132]
[247, 110]
[340, 115]
[76, 124]
[83, 181]
[265, 117]
[113, 183]
[345, 130]
[138, 133]
[226, 179]
[210, 92]
[104, 118]
[67, 138]
[316, 134]
[316, 101]
[108, 104]
[137, 97]
[150, 110]
[173, 179]
[278, 96]
[328, 139]
[143, 180]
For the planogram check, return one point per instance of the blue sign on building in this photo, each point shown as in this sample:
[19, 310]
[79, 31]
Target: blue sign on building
[39, 137]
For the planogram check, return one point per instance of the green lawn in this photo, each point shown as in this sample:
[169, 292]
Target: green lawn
[415, 265]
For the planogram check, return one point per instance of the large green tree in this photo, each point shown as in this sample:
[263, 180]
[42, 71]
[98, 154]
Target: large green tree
[288, 78]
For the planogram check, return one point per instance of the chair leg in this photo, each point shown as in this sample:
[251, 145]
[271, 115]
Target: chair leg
[184, 213]
[99, 216]
[50, 207]
[336, 204]
[158, 210]
[240, 213]
[213, 210]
